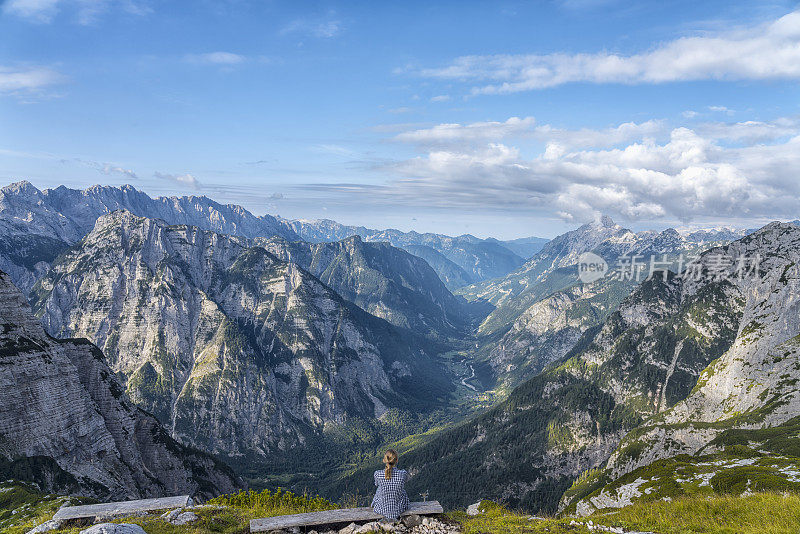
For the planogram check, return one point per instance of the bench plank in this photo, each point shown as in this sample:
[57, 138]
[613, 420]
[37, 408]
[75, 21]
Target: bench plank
[346, 515]
[121, 508]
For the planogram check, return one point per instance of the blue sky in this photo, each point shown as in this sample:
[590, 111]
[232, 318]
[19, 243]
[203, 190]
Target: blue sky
[494, 118]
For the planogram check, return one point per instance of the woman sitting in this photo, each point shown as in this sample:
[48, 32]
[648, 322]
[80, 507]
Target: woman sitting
[390, 499]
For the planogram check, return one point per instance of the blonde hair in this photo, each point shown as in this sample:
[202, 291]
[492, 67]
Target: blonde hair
[390, 459]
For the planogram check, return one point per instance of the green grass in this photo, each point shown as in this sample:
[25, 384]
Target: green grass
[22, 506]
[753, 514]
[496, 519]
[227, 514]
[267, 503]
[722, 514]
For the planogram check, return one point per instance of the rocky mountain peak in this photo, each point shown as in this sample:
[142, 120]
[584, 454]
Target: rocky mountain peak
[607, 221]
[22, 187]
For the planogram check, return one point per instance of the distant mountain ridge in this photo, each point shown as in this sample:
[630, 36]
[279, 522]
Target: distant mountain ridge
[478, 259]
[38, 225]
[69, 214]
[53, 219]
[66, 424]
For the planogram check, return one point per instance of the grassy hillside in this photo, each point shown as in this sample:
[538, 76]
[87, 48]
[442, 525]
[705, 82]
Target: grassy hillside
[737, 462]
[775, 513]
[22, 506]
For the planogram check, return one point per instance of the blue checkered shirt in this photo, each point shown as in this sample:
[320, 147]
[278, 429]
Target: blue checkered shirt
[391, 499]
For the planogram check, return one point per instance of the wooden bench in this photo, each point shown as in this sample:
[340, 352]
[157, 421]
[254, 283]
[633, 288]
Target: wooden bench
[121, 508]
[346, 515]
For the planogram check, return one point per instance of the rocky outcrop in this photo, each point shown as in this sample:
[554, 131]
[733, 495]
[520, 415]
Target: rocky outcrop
[551, 327]
[234, 350]
[66, 424]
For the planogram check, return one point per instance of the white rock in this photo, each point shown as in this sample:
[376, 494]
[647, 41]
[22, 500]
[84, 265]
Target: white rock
[184, 518]
[47, 526]
[114, 528]
[170, 515]
[474, 509]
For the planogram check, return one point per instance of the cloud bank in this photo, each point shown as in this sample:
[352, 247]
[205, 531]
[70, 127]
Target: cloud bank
[636, 171]
[765, 52]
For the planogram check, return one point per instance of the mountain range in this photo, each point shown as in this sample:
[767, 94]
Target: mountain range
[541, 309]
[501, 372]
[47, 222]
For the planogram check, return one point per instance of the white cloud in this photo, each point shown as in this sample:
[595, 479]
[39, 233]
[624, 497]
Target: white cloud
[112, 169]
[440, 98]
[35, 10]
[722, 109]
[216, 58]
[321, 28]
[527, 127]
[751, 131]
[690, 114]
[86, 11]
[104, 168]
[765, 52]
[26, 80]
[444, 133]
[185, 179]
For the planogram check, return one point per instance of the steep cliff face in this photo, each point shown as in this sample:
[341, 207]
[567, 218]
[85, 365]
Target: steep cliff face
[66, 423]
[233, 349]
[752, 385]
[385, 281]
